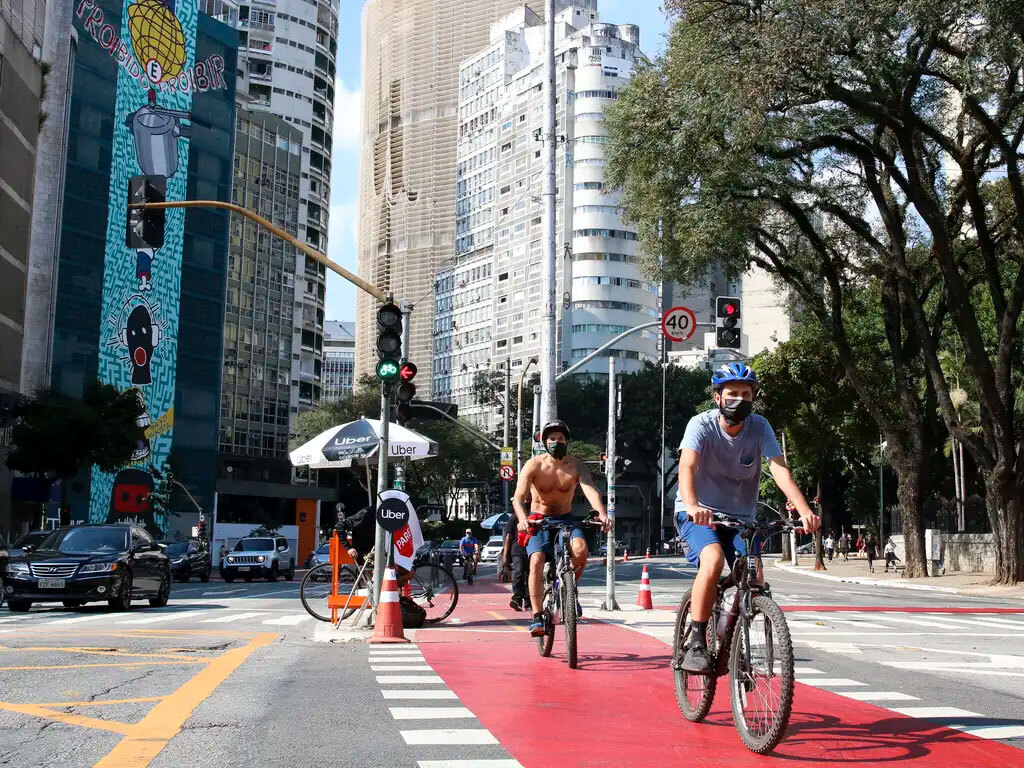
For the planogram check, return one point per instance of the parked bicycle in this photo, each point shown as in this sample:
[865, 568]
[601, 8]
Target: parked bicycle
[433, 587]
[749, 641]
[560, 591]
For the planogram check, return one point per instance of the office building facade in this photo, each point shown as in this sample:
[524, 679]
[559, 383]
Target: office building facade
[339, 360]
[185, 353]
[489, 300]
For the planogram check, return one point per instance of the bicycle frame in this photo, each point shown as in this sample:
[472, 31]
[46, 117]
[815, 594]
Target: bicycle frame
[744, 578]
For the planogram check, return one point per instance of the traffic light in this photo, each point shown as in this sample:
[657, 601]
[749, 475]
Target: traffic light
[144, 227]
[389, 341]
[728, 322]
[405, 391]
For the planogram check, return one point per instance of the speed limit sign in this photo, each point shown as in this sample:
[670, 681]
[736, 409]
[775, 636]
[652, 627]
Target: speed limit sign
[678, 323]
[507, 472]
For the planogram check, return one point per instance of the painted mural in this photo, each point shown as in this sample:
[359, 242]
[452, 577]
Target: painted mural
[157, 77]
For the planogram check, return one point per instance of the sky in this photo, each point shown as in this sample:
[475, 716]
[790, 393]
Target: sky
[340, 303]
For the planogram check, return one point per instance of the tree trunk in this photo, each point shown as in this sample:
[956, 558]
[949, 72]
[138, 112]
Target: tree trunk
[819, 553]
[1006, 515]
[911, 476]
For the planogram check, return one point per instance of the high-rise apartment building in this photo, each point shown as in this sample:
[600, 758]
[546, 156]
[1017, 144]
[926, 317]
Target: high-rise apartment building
[286, 63]
[339, 360]
[489, 300]
[412, 50]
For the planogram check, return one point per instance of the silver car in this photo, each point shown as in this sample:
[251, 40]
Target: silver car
[259, 557]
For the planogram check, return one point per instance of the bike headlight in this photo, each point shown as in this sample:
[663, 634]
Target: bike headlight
[17, 568]
[231, 559]
[98, 568]
[260, 559]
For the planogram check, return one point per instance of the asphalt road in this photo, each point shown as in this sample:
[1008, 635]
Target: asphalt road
[237, 674]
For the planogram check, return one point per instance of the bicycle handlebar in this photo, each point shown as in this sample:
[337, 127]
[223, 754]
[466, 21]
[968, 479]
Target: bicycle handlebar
[546, 522]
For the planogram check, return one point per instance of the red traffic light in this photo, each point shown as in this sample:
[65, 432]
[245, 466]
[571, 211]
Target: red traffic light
[407, 372]
[730, 309]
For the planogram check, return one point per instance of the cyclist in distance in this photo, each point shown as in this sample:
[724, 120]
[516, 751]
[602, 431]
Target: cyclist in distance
[469, 547]
[550, 481]
[720, 468]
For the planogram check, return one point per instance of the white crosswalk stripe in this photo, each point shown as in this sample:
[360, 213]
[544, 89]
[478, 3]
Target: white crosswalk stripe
[164, 617]
[877, 695]
[233, 617]
[449, 736]
[429, 713]
[469, 764]
[289, 621]
[393, 693]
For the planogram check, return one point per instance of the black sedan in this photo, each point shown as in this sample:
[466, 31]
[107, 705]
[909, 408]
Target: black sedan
[90, 563]
[188, 559]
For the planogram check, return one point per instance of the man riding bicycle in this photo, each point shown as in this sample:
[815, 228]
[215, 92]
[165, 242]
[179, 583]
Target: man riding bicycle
[469, 547]
[720, 468]
[550, 482]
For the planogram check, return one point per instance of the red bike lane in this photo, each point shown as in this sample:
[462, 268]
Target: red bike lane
[619, 707]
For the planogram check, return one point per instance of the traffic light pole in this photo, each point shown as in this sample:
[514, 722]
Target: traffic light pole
[609, 597]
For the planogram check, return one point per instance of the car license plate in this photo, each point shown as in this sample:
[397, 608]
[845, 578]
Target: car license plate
[244, 568]
[51, 583]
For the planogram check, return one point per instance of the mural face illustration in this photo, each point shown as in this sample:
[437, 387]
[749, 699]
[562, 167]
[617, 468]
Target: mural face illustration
[131, 499]
[143, 422]
[139, 338]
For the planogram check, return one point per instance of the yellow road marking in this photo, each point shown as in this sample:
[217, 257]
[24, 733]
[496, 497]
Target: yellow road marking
[66, 717]
[125, 664]
[144, 633]
[150, 735]
[100, 702]
[497, 615]
[108, 652]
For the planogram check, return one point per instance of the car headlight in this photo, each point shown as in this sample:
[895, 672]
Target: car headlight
[231, 559]
[17, 568]
[98, 568]
[178, 560]
[260, 558]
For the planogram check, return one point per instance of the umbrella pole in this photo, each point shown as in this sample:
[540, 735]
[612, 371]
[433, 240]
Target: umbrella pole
[369, 485]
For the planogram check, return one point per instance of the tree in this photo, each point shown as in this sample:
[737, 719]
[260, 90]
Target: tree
[802, 138]
[461, 458]
[56, 436]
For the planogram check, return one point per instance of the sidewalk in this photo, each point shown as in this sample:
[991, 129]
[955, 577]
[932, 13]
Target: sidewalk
[855, 571]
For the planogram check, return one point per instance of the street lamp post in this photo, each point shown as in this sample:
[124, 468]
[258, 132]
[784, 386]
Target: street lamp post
[881, 489]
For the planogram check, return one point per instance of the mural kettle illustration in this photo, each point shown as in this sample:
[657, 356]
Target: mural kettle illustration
[155, 131]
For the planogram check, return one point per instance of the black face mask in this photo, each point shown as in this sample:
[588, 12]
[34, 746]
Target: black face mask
[735, 410]
[557, 449]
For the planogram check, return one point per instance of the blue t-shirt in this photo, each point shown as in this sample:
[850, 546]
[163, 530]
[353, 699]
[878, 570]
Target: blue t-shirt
[468, 545]
[728, 475]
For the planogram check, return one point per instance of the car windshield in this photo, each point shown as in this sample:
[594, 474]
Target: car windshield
[177, 548]
[450, 545]
[325, 549]
[85, 540]
[254, 545]
[32, 539]
[495, 541]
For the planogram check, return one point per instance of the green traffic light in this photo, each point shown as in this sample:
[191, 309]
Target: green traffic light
[387, 369]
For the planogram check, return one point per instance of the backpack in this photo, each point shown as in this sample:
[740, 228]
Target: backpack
[413, 617]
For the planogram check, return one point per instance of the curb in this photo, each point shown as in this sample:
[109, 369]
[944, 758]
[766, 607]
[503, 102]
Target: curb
[872, 582]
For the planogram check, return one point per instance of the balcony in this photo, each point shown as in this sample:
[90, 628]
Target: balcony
[260, 48]
[256, 26]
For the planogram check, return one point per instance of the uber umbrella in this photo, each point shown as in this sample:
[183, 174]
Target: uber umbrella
[357, 443]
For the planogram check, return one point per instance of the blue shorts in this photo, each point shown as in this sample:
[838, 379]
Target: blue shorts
[699, 536]
[544, 540]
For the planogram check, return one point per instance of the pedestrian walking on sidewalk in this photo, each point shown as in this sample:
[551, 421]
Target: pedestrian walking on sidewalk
[860, 545]
[871, 548]
[844, 545]
[830, 546]
[890, 555]
[514, 558]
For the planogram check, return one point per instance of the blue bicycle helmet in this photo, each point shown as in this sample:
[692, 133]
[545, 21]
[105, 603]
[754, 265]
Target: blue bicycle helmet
[733, 372]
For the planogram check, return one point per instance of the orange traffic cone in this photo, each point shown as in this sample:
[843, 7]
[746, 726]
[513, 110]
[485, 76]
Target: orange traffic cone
[407, 590]
[648, 553]
[643, 597]
[625, 556]
[388, 628]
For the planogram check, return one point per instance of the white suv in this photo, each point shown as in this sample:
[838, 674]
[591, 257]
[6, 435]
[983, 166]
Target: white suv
[491, 551]
[260, 557]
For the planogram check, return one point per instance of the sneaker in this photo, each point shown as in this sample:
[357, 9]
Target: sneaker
[579, 610]
[537, 628]
[515, 604]
[697, 660]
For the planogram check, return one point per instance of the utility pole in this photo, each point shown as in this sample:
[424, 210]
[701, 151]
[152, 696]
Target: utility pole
[549, 277]
[538, 395]
[508, 388]
[609, 468]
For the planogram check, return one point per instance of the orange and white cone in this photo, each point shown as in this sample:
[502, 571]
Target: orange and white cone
[625, 556]
[648, 553]
[388, 628]
[407, 590]
[643, 597]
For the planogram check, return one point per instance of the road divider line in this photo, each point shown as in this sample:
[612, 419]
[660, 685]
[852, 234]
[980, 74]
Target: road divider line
[37, 710]
[447, 736]
[430, 713]
[164, 721]
[392, 693]
[517, 626]
[101, 702]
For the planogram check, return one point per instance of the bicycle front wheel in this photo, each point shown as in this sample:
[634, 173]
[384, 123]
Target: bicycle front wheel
[316, 588]
[761, 677]
[569, 616]
[435, 590]
[694, 693]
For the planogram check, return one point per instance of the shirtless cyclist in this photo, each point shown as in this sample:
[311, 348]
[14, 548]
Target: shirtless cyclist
[550, 482]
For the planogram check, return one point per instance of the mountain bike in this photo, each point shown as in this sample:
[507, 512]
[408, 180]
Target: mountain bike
[749, 641]
[468, 569]
[432, 586]
[560, 592]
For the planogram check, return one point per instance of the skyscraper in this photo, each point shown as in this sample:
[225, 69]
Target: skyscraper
[489, 300]
[412, 50]
[339, 360]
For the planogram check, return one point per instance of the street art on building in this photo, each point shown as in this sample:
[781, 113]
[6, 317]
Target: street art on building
[138, 346]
